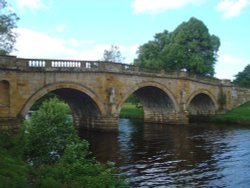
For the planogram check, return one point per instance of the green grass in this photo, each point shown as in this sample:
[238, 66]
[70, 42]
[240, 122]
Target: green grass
[239, 115]
[131, 111]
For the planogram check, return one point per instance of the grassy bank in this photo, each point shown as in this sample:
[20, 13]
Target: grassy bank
[239, 115]
[131, 111]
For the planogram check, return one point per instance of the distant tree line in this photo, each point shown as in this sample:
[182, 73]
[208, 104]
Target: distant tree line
[243, 78]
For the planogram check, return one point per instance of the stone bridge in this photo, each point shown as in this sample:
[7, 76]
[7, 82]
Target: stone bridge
[96, 91]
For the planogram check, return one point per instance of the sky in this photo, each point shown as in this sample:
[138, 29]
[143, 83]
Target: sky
[83, 29]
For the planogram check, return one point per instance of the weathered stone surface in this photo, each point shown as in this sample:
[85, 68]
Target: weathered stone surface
[96, 91]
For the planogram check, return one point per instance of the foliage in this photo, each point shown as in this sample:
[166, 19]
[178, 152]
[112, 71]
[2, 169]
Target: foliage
[40, 101]
[113, 55]
[8, 21]
[189, 47]
[59, 157]
[75, 169]
[48, 132]
[222, 99]
[13, 171]
[243, 78]
[134, 100]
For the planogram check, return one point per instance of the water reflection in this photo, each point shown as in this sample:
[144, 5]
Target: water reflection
[151, 155]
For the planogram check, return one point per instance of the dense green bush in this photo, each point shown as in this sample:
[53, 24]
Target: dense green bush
[76, 169]
[56, 156]
[13, 171]
[48, 132]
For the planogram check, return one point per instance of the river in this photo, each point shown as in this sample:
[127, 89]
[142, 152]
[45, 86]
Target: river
[195, 155]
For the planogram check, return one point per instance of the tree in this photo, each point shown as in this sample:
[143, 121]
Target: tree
[59, 157]
[134, 100]
[113, 55]
[8, 21]
[48, 132]
[189, 47]
[243, 78]
[40, 101]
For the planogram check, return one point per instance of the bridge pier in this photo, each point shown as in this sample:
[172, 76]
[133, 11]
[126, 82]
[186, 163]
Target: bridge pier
[174, 118]
[10, 123]
[107, 123]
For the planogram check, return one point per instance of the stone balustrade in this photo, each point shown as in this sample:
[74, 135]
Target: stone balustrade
[12, 62]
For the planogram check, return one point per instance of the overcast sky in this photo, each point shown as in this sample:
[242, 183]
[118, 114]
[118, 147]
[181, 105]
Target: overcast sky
[82, 29]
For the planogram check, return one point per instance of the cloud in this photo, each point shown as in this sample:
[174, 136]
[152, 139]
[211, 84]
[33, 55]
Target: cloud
[60, 28]
[229, 65]
[229, 59]
[232, 8]
[30, 4]
[156, 6]
[33, 44]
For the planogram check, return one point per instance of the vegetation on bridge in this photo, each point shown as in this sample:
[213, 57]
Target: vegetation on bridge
[48, 153]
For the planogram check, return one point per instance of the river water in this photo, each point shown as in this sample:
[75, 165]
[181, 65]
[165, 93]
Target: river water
[196, 155]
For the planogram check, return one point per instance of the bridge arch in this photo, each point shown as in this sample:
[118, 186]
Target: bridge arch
[149, 84]
[201, 102]
[83, 102]
[159, 104]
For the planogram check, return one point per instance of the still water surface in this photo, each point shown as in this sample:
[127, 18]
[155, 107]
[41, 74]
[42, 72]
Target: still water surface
[151, 155]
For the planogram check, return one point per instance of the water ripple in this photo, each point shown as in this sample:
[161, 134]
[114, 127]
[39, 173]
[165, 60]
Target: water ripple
[180, 156]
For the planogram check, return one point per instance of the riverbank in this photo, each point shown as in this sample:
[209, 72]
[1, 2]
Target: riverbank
[130, 110]
[82, 171]
[239, 115]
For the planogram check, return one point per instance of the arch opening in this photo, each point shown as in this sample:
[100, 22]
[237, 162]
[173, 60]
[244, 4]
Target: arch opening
[154, 100]
[84, 110]
[132, 108]
[157, 105]
[201, 104]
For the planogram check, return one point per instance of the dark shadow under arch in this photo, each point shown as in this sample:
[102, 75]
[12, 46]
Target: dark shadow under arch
[157, 105]
[82, 102]
[154, 100]
[201, 104]
[84, 109]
